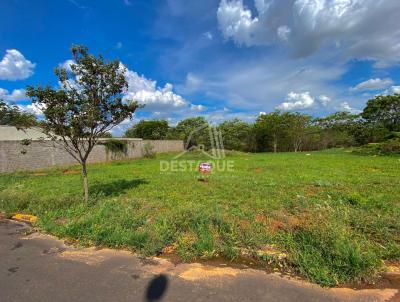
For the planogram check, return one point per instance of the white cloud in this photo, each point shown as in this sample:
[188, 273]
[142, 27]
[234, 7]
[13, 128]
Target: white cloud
[155, 98]
[16, 95]
[31, 108]
[394, 89]
[372, 84]
[235, 21]
[391, 90]
[119, 45]
[357, 28]
[192, 84]
[67, 65]
[297, 101]
[283, 33]
[208, 35]
[197, 107]
[14, 66]
[324, 100]
[345, 106]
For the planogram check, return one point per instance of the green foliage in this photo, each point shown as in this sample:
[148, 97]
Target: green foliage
[194, 132]
[236, 135]
[151, 129]
[148, 151]
[13, 116]
[115, 146]
[384, 110]
[334, 214]
[106, 135]
[330, 254]
[391, 145]
[87, 105]
[279, 131]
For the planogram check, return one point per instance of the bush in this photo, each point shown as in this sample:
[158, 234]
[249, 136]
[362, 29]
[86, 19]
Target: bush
[148, 151]
[115, 146]
[391, 146]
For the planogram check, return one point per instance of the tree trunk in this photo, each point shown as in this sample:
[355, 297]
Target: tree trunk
[275, 144]
[85, 182]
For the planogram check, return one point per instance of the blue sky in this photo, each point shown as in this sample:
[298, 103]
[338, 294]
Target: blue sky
[215, 58]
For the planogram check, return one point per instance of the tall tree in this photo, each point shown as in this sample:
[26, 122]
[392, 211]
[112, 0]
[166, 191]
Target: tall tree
[88, 103]
[340, 129]
[270, 128]
[236, 135]
[151, 129]
[384, 110]
[297, 128]
[13, 116]
[194, 131]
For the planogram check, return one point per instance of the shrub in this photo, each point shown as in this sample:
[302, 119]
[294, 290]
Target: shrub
[391, 146]
[115, 146]
[148, 151]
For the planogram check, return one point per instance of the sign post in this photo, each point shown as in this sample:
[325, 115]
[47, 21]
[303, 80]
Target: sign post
[205, 170]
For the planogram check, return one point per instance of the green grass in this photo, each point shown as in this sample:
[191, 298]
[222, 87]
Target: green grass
[335, 214]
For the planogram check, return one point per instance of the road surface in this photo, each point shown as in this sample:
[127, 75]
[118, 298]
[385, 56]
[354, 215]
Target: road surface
[36, 267]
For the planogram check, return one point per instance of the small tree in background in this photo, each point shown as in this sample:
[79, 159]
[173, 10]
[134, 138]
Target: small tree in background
[298, 127]
[152, 129]
[87, 105]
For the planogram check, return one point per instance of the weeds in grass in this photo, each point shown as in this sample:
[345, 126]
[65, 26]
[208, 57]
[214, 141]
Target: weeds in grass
[334, 219]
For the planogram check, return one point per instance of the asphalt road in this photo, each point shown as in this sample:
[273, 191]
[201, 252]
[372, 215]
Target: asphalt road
[35, 267]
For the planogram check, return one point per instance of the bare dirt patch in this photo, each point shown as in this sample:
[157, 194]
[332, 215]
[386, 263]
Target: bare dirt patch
[71, 172]
[199, 272]
[39, 174]
[312, 191]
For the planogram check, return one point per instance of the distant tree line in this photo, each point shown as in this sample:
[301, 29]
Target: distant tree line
[286, 131]
[273, 132]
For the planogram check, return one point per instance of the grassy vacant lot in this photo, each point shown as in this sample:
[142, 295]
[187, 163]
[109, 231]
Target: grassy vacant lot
[334, 214]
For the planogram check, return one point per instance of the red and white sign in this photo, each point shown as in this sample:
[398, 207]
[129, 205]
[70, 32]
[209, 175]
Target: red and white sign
[205, 168]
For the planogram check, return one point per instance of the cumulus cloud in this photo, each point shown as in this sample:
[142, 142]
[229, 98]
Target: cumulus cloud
[345, 106]
[297, 101]
[359, 28]
[14, 96]
[144, 91]
[147, 92]
[304, 100]
[32, 108]
[236, 22]
[372, 84]
[391, 90]
[14, 66]
[67, 65]
[324, 100]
